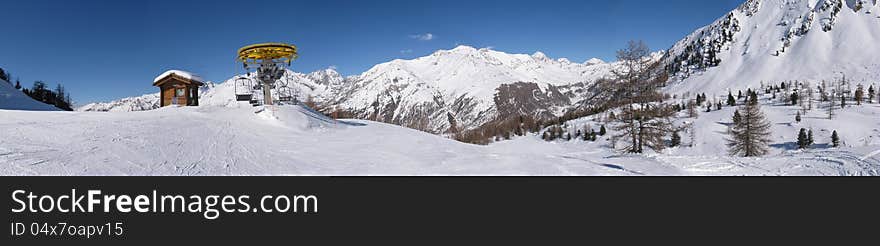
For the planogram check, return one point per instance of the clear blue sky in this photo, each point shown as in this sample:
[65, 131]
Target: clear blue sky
[103, 50]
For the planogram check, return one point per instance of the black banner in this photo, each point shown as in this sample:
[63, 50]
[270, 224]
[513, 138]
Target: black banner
[442, 209]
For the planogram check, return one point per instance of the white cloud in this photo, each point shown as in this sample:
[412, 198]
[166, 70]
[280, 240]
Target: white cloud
[423, 37]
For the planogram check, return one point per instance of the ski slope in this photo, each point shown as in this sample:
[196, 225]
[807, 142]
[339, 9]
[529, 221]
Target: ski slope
[11, 98]
[293, 140]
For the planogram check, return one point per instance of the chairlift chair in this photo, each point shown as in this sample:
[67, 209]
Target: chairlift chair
[242, 92]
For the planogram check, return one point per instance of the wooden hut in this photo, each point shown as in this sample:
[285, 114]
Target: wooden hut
[178, 88]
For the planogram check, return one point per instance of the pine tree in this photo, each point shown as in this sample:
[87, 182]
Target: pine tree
[676, 139]
[871, 94]
[749, 136]
[831, 108]
[740, 96]
[730, 100]
[802, 140]
[860, 94]
[737, 118]
[797, 117]
[794, 98]
[18, 85]
[692, 109]
[602, 131]
[810, 141]
[835, 140]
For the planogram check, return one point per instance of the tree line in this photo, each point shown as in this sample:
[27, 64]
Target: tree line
[40, 91]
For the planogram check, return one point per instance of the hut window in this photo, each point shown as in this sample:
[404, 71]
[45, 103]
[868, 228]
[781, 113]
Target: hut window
[178, 92]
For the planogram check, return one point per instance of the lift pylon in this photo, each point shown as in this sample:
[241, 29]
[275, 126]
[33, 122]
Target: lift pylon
[271, 61]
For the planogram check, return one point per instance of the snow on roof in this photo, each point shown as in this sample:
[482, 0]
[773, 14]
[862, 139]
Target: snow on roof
[185, 74]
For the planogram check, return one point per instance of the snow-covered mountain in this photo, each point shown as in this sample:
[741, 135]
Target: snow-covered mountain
[466, 87]
[463, 87]
[780, 40]
[11, 98]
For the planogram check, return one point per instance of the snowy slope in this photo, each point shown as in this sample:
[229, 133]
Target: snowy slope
[12, 99]
[292, 140]
[780, 40]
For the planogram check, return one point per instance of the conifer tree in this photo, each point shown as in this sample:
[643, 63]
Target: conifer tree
[860, 94]
[676, 139]
[636, 83]
[802, 140]
[794, 98]
[835, 140]
[810, 141]
[730, 100]
[602, 131]
[749, 135]
[831, 108]
[871, 93]
[797, 117]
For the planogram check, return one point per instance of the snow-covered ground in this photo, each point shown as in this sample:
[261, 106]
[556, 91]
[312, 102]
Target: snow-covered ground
[292, 140]
[11, 98]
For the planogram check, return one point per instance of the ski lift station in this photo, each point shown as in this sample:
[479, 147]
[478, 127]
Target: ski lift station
[178, 88]
[266, 86]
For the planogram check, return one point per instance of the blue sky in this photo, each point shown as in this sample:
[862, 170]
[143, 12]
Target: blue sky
[103, 50]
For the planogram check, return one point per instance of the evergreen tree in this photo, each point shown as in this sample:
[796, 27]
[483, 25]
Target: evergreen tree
[718, 105]
[810, 141]
[737, 118]
[740, 96]
[797, 117]
[676, 139]
[871, 93]
[860, 94]
[831, 108]
[749, 135]
[18, 85]
[835, 140]
[802, 139]
[602, 131]
[3, 75]
[794, 98]
[730, 100]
